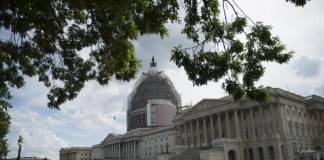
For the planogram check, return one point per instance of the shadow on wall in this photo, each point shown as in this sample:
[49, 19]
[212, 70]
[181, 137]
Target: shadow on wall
[190, 154]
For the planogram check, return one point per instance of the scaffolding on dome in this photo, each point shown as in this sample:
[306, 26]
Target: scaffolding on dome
[153, 85]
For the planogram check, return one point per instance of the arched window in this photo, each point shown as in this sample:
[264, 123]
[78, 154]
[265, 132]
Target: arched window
[232, 155]
[261, 154]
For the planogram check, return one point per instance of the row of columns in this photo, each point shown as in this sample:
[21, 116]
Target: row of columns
[185, 131]
[122, 150]
[320, 119]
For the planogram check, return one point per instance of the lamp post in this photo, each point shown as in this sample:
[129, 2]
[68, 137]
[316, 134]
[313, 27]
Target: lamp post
[20, 143]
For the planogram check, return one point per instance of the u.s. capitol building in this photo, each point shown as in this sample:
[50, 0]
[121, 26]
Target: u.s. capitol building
[158, 127]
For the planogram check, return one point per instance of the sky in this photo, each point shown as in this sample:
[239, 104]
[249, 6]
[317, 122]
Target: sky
[88, 119]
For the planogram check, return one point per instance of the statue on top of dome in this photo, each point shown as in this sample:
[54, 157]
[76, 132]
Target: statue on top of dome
[153, 64]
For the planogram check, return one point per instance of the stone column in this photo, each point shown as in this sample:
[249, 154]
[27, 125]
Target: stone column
[180, 135]
[228, 131]
[205, 130]
[176, 135]
[252, 123]
[131, 149]
[278, 152]
[298, 123]
[212, 134]
[112, 150]
[219, 126]
[237, 128]
[186, 133]
[320, 130]
[322, 122]
[134, 149]
[273, 119]
[108, 151]
[126, 150]
[103, 152]
[191, 133]
[262, 120]
[243, 124]
[198, 132]
[119, 150]
[115, 146]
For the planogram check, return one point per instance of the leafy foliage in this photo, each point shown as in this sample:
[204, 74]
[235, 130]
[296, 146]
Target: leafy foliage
[298, 2]
[51, 38]
[230, 49]
[67, 42]
[4, 129]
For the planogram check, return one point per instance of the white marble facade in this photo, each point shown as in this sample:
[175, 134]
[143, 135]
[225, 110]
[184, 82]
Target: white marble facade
[76, 153]
[245, 130]
[141, 144]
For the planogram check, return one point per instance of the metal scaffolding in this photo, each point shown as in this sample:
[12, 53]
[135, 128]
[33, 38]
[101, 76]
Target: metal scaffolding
[151, 85]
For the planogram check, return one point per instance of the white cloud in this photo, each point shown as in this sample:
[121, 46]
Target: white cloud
[96, 106]
[41, 142]
[37, 132]
[307, 67]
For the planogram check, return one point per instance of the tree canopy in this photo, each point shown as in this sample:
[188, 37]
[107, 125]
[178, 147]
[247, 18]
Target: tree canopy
[4, 128]
[47, 37]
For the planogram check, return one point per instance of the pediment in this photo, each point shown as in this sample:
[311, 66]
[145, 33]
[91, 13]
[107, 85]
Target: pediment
[207, 104]
[110, 137]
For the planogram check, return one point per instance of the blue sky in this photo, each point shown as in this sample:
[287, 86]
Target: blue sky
[86, 120]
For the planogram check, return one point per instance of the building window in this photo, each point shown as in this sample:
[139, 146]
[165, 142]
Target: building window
[294, 147]
[291, 129]
[297, 129]
[294, 112]
[308, 130]
[302, 127]
[287, 111]
[313, 131]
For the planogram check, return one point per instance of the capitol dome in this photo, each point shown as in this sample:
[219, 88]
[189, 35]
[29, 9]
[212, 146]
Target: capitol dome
[153, 87]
